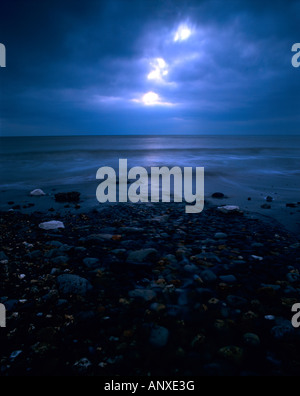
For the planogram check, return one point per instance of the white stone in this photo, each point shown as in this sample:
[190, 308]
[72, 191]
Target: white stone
[51, 225]
[37, 192]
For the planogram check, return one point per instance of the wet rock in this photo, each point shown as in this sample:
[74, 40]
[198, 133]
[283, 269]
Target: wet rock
[82, 365]
[51, 225]
[143, 256]
[230, 209]
[3, 256]
[266, 206]
[80, 250]
[218, 195]
[144, 294]
[10, 305]
[282, 330]
[73, 284]
[72, 196]
[251, 339]
[65, 248]
[60, 260]
[274, 287]
[269, 198]
[156, 307]
[57, 244]
[293, 277]
[15, 354]
[37, 193]
[208, 276]
[220, 235]
[91, 262]
[257, 257]
[159, 336]
[191, 268]
[228, 278]
[291, 205]
[257, 245]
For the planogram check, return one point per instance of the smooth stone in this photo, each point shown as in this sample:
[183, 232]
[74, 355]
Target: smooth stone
[171, 259]
[91, 262]
[37, 192]
[159, 336]
[274, 287]
[142, 256]
[82, 365]
[238, 262]
[65, 248]
[229, 209]
[289, 290]
[191, 268]
[145, 294]
[251, 339]
[59, 260]
[3, 256]
[52, 253]
[208, 276]
[282, 330]
[10, 305]
[220, 235]
[119, 251]
[257, 245]
[228, 278]
[218, 195]
[55, 243]
[293, 277]
[51, 225]
[73, 284]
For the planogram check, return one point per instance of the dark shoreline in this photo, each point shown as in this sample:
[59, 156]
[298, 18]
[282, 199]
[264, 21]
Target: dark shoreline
[167, 293]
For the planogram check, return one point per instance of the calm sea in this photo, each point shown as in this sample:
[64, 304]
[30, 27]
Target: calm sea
[44, 161]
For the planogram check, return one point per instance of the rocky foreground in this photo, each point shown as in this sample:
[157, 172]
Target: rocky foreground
[148, 290]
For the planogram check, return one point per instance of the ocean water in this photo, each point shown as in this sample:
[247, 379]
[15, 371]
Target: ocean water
[251, 161]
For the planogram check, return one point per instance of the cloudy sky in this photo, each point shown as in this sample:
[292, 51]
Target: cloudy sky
[149, 67]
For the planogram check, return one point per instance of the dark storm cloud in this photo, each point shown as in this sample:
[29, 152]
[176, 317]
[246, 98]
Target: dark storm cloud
[83, 67]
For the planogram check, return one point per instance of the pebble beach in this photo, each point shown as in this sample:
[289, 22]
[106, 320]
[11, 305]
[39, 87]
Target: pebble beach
[145, 289]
